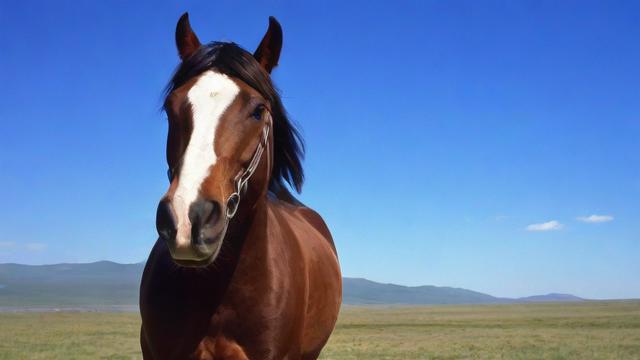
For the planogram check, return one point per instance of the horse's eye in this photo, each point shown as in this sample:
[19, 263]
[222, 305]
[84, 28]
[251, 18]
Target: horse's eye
[257, 113]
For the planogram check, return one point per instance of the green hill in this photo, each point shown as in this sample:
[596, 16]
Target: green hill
[363, 291]
[101, 283]
[106, 284]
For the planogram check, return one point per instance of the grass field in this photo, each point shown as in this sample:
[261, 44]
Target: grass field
[590, 330]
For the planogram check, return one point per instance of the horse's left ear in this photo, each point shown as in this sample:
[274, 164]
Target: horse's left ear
[268, 51]
[186, 40]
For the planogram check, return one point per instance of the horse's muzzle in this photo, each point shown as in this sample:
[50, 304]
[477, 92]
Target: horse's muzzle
[199, 245]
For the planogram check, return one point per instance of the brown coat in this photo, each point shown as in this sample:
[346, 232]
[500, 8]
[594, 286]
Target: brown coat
[276, 296]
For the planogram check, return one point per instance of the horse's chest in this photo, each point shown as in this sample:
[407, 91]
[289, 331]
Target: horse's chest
[219, 348]
[244, 327]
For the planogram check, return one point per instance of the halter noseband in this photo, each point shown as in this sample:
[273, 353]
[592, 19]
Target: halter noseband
[241, 180]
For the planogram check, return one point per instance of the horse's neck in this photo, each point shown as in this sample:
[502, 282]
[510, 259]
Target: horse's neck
[252, 234]
[246, 235]
[256, 239]
[252, 242]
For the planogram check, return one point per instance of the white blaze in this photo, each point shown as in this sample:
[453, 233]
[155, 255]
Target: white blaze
[209, 98]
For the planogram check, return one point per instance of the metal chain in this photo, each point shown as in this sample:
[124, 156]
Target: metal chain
[242, 179]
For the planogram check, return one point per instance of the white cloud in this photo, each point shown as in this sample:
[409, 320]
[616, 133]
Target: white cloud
[593, 219]
[547, 226]
[35, 247]
[7, 244]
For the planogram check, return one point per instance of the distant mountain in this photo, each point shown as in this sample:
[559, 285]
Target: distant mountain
[108, 284]
[553, 297]
[100, 283]
[363, 291]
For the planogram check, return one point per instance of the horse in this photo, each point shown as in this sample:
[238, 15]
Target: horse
[241, 269]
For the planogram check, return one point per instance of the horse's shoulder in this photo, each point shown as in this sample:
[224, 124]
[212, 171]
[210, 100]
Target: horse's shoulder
[306, 216]
[315, 220]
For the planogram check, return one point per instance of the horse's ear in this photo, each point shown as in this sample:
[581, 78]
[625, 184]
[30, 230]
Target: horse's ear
[186, 40]
[268, 51]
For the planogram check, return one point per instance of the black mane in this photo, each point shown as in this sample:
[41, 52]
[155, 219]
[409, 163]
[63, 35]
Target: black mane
[230, 59]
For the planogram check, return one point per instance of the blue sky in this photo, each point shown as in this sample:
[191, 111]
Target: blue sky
[437, 133]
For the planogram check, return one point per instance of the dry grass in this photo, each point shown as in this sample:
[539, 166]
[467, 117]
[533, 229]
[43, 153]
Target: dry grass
[69, 336]
[592, 330]
[595, 330]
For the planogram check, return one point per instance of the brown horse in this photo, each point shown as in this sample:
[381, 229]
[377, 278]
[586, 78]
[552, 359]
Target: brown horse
[241, 270]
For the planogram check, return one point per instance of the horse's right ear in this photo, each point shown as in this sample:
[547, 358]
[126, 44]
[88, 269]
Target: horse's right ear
[268, 52]
[186, 40]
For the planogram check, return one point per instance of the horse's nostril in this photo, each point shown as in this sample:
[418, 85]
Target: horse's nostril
[204, 216]
[204, 212]
[165, 221]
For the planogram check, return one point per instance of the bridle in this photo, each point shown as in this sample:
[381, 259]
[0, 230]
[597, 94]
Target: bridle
[242, 179]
